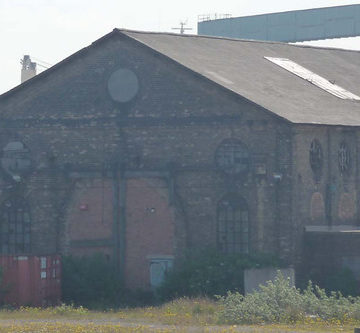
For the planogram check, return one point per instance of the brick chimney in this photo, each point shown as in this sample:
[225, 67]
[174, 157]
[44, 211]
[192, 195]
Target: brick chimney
[28, 69]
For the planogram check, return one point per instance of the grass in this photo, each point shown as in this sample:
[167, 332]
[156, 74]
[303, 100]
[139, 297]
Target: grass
[176, 316]
[181, 311]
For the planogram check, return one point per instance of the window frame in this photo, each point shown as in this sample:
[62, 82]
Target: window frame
[344, 158]
[316, 158]
[226, 156]
[15, 227]
[238, 208]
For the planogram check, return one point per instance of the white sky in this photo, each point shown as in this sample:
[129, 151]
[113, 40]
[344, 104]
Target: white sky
[51, 30]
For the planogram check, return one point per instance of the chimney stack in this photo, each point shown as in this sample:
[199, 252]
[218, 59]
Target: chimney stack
[28, 69]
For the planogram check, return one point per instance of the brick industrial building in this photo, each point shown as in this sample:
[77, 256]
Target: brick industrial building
[144, 144]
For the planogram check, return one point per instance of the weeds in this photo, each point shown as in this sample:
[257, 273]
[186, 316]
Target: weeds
[207, 272]
[279, 302]
[276, 307]
[62, 310]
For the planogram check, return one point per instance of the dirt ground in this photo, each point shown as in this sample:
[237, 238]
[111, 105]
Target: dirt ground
[6, 324]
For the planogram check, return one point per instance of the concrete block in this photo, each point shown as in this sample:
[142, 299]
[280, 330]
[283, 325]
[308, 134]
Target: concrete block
[255, 277]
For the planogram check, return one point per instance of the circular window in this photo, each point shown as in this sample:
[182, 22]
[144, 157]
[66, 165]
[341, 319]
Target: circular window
[344, 158]
[123, 85]
[232, 157]
[316, 157]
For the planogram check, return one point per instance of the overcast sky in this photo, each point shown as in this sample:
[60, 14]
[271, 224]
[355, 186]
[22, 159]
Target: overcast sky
[51, 30]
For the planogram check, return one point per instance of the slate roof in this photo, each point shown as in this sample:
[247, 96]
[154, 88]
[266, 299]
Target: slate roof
[240, 66]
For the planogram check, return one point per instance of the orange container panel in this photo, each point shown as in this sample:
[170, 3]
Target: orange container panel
[31, 280]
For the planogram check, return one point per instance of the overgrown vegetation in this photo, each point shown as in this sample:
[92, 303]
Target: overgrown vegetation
[279, 302]
[208, 272]
[200, 314]
[344, 281]
[331, 279]
[182, 311]
[62, 310]
[277, 306]
[90, 281]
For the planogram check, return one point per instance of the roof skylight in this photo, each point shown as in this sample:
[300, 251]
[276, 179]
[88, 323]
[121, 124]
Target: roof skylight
[313, 78]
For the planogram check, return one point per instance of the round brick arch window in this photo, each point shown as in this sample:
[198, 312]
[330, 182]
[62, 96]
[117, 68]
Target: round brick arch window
[232, 157]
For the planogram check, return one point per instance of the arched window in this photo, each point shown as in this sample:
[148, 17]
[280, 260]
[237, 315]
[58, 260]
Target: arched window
[233, 225]
[15, 226]
[233, 157]
[316, 158]
[15, 158]
[344, 158]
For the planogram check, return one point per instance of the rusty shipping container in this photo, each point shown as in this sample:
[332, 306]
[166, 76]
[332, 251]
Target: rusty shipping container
[30, 280]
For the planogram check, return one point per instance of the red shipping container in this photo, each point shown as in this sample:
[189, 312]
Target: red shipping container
[30, 280]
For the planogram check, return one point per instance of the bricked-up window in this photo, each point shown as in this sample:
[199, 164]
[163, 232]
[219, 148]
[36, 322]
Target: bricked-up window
[344, 158]
[233, 225]
[233, 157]
[15, 225]
[316, 158]
[123, 85]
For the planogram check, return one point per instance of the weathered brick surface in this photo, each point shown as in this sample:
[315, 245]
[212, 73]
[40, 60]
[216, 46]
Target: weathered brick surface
[158, 151]
[333, 199]
[90, 212]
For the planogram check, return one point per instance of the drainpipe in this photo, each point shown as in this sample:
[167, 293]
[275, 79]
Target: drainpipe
[330, 186]
[121, 232]
[116, 214]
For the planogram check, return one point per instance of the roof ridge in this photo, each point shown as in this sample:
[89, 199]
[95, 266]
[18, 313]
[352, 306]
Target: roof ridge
[122, 30]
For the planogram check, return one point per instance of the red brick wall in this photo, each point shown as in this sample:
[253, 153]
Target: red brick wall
[150, 224]
[87, 251]
[90, 216]
[149, 228]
